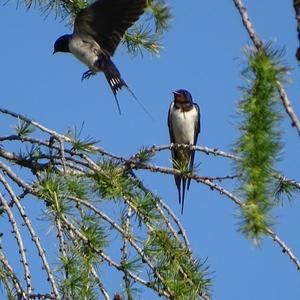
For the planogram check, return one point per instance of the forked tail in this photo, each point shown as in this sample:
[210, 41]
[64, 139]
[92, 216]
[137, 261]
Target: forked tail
[114, 80]
[116, 83]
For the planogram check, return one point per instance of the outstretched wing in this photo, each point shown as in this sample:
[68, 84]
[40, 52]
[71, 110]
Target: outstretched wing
[107, 20]
[196, 133]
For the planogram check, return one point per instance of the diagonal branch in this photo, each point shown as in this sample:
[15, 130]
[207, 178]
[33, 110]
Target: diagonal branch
[19, 239]
[105, 257]
[258, 45]
[100, 284]
[15, 280]
[34, 236]
[284, 247]
[231, 196]
[297, 15]
[52, 133]
[168, 210]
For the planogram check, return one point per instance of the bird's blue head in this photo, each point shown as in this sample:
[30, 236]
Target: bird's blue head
[62, 44]
[182, 96]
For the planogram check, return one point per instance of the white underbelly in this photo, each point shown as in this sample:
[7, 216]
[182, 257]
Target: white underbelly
[183, 126]
[82, 51]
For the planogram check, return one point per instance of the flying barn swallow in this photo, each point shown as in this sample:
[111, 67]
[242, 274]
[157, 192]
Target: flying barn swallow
[184, 127]
[98, 30]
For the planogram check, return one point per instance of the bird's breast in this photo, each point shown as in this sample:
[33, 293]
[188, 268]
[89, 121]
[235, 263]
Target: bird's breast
[183, 125]
[86, 52]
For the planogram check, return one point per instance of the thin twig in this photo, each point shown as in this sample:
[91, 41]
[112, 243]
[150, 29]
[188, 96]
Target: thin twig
[15, 280]
[231, 196]
[111, 262]
[292, 182]
[62, 155]
[285, 248]
[119, 228]
[33, 235]
[53, 133]
[18, 180]
[100, 284]
[161, 203]
[42, 296]
[206, 150]
[124, 251]
[20, 243]
[60, 235]
[297, 15]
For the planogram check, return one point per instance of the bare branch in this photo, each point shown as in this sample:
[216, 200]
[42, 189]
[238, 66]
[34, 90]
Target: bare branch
[22, 250]
[124, 250]
[34, 237]
[55, 134]
[297, 14]
[285, 248]
[100, 284]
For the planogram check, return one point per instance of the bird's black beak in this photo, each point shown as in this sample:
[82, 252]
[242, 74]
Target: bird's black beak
[54, 52]
[176, 93]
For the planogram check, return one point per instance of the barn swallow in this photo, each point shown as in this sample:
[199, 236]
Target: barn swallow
[98, 29]
[184, 127]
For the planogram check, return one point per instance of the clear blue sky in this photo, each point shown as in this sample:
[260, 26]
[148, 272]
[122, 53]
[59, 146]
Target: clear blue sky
[203, 54]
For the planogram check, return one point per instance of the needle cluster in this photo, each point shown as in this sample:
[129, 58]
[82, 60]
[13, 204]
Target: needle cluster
[259, 143]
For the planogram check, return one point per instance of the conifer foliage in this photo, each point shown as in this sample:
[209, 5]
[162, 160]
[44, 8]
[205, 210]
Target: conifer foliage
[110, 236]
[259, 144]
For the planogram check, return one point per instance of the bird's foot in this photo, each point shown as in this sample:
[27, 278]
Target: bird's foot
[87, 75]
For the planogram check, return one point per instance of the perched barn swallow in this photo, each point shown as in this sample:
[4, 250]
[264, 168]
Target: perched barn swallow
[184, 127]
[98, 29]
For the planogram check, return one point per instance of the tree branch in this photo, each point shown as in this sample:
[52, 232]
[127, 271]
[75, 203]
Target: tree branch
[34, 236]
[258, 45]
[22, 250]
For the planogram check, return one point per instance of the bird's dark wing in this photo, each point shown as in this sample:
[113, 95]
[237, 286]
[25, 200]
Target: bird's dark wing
[170, 126]
[171, 133]
[196, 133]
[107, 20]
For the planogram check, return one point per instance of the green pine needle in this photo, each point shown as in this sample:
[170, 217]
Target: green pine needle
[284, 189]
[259, 144]
[79, 284]
[111, 182]
[161, 14]
[185, 276]
[182, 164]
[77, 186]
[146, 207]
[133, 265]
[95, 233]
[52, 189]
[139, 38]
[23, 128]
[144, 156]
[81, 145]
